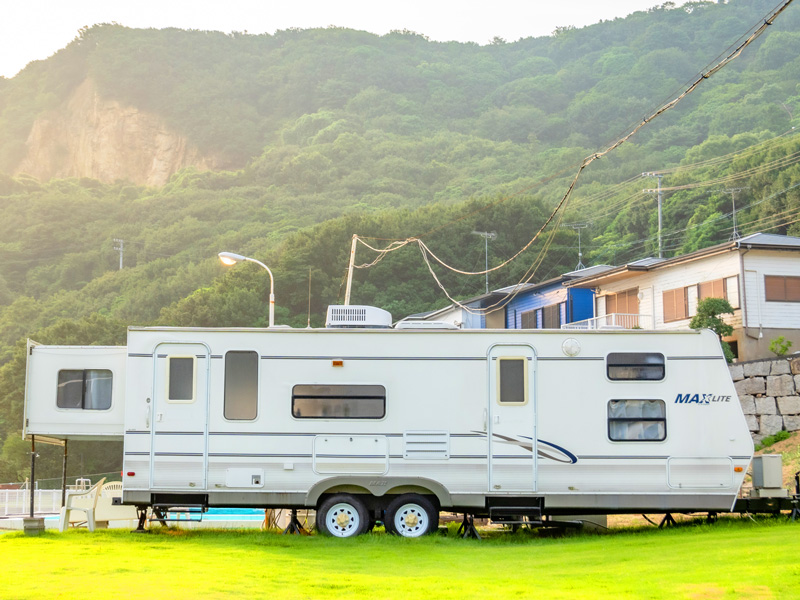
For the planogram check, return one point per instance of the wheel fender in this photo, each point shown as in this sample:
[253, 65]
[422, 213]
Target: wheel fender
[378, 486]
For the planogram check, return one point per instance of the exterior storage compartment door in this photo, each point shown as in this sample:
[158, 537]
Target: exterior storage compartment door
[511, 422]
[180, 424]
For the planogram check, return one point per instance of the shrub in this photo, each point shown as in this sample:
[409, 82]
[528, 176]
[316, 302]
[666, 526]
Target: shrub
[780, 345]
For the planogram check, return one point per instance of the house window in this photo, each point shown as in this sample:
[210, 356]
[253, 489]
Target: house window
[676, 305]
[338, 401]
[512, 380]
[551, 316]
[711, 289]
[528, 319]
[635, 366]
[180, 379]
[782, 289]
[637, 420]
[732, 291]
[85, 389]
[626, 303]
[241, 386]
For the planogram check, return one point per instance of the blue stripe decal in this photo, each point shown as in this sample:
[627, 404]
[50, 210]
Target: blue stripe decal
[414, 358]
[200, 454]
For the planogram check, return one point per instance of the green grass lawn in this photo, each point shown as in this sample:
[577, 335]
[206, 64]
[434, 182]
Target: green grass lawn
[734, 558]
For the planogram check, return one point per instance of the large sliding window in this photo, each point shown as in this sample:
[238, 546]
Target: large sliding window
[85, 389]
[339, 401]
[241, 385]
[626, 303]
[637, 420]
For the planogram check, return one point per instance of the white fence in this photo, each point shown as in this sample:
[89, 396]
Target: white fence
[17, 502]
[613, 321]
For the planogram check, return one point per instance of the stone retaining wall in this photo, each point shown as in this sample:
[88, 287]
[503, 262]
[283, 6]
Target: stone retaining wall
[769, 391]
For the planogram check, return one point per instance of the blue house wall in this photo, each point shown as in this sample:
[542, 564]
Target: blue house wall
[579, 303]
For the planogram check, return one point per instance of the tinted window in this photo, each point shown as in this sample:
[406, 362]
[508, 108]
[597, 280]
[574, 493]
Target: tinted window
[511, 377]
[87, 389]
[630, 366]
[637, 420]
[241, 385]
[181, 378]
[339, 401]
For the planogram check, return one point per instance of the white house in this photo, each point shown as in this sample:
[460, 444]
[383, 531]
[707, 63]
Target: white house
[759, 275]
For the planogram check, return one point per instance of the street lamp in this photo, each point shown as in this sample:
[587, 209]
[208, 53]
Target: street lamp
[229, 258]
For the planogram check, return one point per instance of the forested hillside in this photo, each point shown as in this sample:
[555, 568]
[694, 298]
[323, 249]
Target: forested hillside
[322, 134]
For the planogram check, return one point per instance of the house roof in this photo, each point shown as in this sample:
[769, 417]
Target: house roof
[561, 279]
[501, 293]
[762, 241]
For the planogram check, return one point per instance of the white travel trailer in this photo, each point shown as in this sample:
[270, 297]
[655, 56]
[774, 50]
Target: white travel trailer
[397, 424]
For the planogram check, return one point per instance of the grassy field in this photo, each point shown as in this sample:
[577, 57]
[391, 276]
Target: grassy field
[734, 558]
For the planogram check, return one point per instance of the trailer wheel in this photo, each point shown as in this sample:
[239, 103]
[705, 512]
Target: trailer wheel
[411, 515]
[342, 515]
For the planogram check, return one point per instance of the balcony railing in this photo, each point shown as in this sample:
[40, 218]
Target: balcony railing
[613, 321]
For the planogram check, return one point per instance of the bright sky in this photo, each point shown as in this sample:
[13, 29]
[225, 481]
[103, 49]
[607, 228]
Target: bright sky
[35, 29]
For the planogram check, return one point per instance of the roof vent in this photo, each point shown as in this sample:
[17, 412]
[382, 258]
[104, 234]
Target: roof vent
[358, 316]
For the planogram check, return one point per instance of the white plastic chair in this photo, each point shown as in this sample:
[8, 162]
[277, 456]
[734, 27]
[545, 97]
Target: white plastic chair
[89, 501]
[112, 489]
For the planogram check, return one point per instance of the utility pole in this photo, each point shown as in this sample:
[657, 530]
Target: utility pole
[732, 191]
[486, 235]
[577, 227]
[658, 191]
[350, 266]
[119, 246]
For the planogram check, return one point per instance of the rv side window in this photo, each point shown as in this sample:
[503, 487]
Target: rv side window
[338, 401]
[631, 366]
[85, 389]
[637, 420]
[180, 379]
[241, 385]
[512, 380]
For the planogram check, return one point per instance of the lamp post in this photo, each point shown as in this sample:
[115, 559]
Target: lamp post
[229, 258]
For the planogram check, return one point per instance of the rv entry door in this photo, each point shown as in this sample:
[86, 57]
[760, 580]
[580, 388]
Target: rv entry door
[511, 422]
[180, 424]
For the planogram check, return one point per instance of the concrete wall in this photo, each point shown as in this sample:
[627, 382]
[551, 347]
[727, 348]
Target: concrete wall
[769, 392]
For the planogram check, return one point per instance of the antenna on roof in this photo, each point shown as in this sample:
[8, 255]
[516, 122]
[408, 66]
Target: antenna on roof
[577, 227]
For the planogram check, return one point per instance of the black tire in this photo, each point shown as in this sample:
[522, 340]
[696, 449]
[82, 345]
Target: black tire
[342, 515]
[411, 515]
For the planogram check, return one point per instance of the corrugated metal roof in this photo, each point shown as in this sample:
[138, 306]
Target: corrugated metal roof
[588, 271]
[769, 239]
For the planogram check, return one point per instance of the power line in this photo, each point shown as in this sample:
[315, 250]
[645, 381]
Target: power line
[757, 30]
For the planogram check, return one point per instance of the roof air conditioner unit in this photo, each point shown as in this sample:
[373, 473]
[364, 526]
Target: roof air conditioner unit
[358, 316]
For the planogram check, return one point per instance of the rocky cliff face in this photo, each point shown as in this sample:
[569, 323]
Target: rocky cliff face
[92, 137]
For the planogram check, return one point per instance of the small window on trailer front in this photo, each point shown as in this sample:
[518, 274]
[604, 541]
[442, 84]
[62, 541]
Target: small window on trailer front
[637, 421]
[241, 385]
[512, 380]
[635, 366]
[84, 389]
[180, 379]
[338, 401]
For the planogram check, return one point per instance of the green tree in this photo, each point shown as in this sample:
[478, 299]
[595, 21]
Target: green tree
[708, 317]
